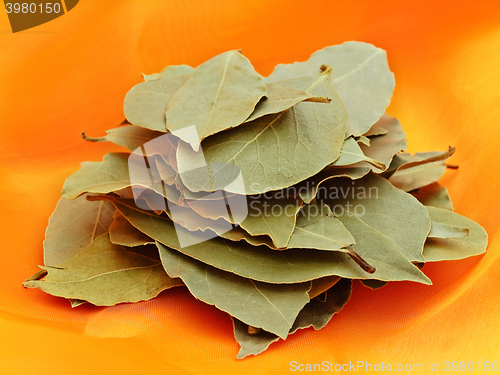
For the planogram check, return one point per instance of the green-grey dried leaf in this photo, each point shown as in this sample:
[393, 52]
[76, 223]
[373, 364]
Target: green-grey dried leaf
[314, 229]
[251, 344]
[271, 307]
[419, 170]
[282, 97]
[351, 153]
[112, 174]
[129, 136]
[308, 189]
[383, 147]
[360, 75]
[186, 217]
[266, 216]
[380, 207]
[443, 230]
[318, 312]
[363, 140]
[437, 249]
[105, 274]
[145, 103]
[74, 224]
[121, 232]
[207, 99]
[239, 234]
[99, 177]
[275, 218]
[272, 217]
[272, 152]
[391, 261]
[321, 285]
[317, 228]
[375, 130]
[263, 264]
[212, 208]
[434, 195]
[315, 313]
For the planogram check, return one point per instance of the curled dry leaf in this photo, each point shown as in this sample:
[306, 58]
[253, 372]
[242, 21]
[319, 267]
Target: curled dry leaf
[206, 98]
[73, 226]
[105, 274]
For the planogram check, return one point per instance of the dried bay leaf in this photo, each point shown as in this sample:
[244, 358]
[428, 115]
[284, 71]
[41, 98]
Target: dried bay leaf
[369, 241]
[314, 229]
[251, 344]
[442, 230]
[272, 217]
[437, 249]
[213, 209]
[121, 232]
[112, 174]
[74, 224]
[192, 221]
[266, 215]
[129, 136]
[383, 147]
[434, 195]
[263, 264]
[375, 130]
[105, 274]
[351, 153]
[321, 285]
[272, 152]
[362, 140]
[317, 228]
[99, 177]
[419, 170]
[381, 208]
[308, 189]
[282, 97]
[271, 307]
[360, 75]
[207, 98]
[318, 312]
[145, 103]
[239, 234]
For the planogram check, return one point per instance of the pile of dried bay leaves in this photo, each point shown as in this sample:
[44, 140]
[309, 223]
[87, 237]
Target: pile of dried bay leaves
[264, 196]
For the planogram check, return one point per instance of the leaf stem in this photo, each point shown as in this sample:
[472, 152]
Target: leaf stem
[91, 139]
[37, 276]
[360, 261]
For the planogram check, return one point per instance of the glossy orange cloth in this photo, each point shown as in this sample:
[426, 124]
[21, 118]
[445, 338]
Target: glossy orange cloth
[71, 75]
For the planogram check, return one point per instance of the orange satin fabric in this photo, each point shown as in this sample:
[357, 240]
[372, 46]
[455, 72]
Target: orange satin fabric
[71, 75]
